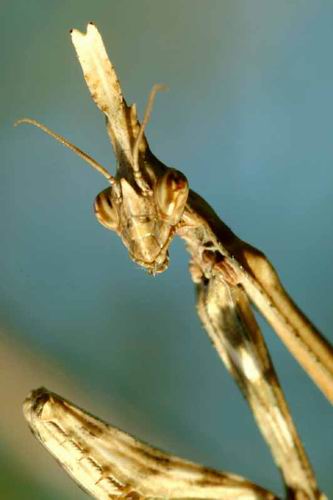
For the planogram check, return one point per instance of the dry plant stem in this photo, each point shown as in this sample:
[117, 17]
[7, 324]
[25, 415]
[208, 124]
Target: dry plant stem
[108, 463]
[147, 205]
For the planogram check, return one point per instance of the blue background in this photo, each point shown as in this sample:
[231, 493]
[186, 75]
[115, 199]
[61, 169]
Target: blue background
[249, 120]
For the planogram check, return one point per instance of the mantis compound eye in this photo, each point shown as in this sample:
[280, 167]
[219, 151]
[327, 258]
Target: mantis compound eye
[171, 194]
[106, 210]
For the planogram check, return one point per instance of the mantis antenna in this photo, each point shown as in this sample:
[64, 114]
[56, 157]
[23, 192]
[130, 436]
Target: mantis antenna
[93, 163]
[136, 169]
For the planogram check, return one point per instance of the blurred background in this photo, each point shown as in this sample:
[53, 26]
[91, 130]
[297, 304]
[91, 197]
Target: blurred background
[249, 119]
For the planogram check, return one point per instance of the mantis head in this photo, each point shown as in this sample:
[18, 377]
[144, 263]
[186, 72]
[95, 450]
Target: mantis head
[143, 206]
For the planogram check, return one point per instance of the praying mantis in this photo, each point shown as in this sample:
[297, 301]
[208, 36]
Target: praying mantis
[147, 204]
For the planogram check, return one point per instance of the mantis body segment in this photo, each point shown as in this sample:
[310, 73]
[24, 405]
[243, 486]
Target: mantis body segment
[147, 204]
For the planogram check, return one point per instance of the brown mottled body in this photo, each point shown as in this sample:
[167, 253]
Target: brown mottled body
[149, 203]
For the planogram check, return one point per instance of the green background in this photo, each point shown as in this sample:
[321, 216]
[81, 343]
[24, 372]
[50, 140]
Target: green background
[249, 119]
